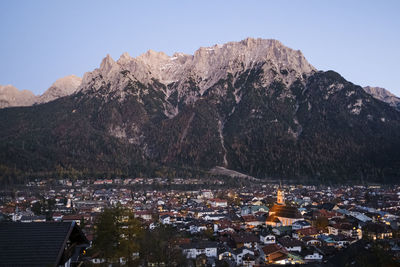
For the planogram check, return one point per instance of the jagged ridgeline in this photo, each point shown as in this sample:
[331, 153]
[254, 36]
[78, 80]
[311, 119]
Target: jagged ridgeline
[253, 106]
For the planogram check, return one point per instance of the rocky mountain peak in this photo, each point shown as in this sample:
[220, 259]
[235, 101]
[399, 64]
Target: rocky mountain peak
[107, 63]
[62, 87]
[68, 83]
[207, 66]
[152, 57]
[254, 106]
[10, 96]
[124, 58]
[383, 95]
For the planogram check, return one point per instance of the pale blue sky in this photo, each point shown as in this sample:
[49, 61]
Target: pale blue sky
[42, 41]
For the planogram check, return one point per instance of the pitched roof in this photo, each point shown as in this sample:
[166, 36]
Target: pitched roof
[249, 218]
[36, 244]
[308, 231]
[302, 223]
[285, 211]
[308, 251]
[290, 242]
[271, 248]
[245, 238]
[72, 217]
[309, 238]
[200, 245]
[273, 218]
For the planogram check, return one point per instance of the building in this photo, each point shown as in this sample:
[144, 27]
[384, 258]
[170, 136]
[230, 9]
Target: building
[376, 231]
[143, 214]
[291, 244]
[300, 225]
[34, 218]
[73, 218]
[218, 203]
[281, 214]
[267, 239]
[273, 253]
[195, 249]
[280, 197]
[41, 244]
[207, 194]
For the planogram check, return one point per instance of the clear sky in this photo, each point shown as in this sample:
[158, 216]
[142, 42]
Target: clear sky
[42, 41]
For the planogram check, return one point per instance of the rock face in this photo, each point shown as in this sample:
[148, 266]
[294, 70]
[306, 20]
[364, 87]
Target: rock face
[11, 96]
[60, 88]
[255, 106]
[202, 70]
[383, 95]
[206, 67]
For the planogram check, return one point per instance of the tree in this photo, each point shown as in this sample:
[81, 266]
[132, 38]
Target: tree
[131, 231]
[119, 235]
[37, 208]
[157, 246]
[106, 235]
[209, 233]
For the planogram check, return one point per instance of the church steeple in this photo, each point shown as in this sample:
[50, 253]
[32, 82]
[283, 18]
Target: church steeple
[280, 196]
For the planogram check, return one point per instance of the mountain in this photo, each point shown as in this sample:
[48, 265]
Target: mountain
[255, 106]
[383, 95]
[12, 97]
[60, 88]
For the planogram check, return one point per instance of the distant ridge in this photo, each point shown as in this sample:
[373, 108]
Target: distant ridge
[383, 95]
[12, 97]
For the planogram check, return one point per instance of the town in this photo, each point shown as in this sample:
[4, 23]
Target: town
[251, 224]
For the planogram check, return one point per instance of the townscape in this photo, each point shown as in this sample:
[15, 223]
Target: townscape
[217, 224]
[199, 133]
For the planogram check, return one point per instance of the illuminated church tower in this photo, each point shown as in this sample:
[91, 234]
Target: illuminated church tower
[281, 214]
[280, 196]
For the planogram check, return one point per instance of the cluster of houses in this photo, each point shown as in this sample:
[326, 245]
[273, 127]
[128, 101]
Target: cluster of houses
[119, 181]
[265, 224]
[256, 234]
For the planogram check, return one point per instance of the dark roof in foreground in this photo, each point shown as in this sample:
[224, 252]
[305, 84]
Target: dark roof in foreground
[35, 244]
